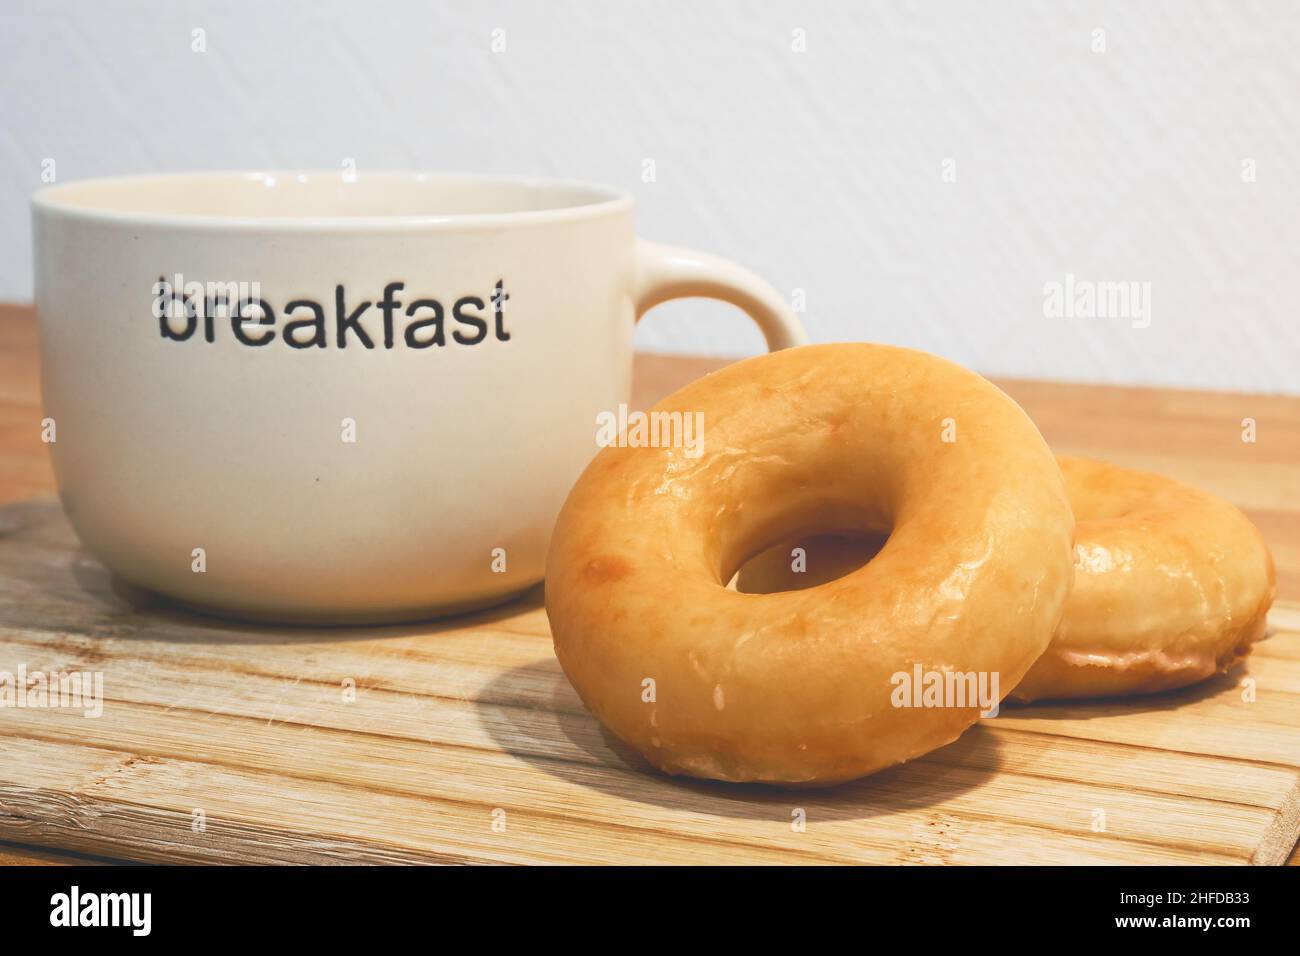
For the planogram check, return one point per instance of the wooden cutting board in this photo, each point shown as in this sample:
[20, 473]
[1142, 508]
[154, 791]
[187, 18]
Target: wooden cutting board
[462, 741]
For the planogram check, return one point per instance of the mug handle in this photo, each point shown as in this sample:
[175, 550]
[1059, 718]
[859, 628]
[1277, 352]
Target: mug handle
[671, 272]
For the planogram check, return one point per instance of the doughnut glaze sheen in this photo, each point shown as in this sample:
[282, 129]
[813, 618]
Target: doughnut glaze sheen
[1172, 585]
[795, 687]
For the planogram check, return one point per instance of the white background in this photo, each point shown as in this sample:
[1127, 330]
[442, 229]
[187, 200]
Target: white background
[819, 169]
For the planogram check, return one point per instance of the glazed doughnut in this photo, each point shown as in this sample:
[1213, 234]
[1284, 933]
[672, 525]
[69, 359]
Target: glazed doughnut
[795, 687]
[1172, 585]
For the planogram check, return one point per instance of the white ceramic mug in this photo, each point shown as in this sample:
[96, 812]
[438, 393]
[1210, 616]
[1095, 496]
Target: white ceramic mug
[302, 460]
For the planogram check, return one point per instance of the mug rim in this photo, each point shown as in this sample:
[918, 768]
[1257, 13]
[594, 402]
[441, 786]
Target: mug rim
[603, 200]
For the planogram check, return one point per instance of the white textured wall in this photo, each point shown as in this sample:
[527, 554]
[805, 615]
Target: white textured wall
[820, 169]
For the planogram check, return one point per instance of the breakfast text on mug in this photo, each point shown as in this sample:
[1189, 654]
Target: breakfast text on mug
[182, 307]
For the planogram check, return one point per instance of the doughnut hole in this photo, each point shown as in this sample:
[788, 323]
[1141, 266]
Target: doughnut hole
[822, 558]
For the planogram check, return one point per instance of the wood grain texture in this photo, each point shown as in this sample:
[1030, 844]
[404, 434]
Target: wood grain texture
[460, 725]
[14, 854]
[250, 729]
